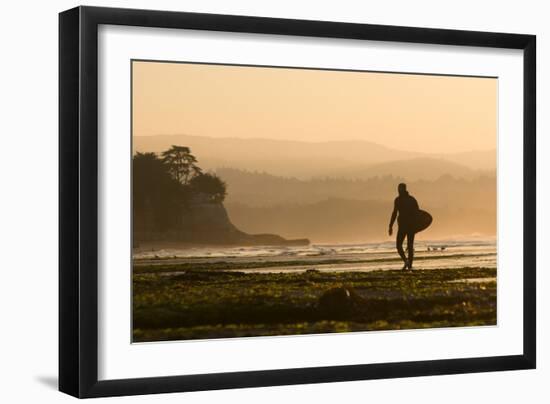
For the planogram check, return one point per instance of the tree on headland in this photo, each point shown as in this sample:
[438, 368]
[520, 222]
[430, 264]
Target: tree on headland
[210, 185]
[181, 164]
[156, 194]
[163, 186]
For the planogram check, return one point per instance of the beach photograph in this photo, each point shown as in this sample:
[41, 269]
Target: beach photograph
[272, 201]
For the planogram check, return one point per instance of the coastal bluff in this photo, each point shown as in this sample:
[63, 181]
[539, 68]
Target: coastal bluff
[205, 222]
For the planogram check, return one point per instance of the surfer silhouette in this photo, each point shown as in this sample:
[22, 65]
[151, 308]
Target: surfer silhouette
[407, 208]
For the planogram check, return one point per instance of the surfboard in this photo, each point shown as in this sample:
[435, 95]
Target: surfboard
[422, 221]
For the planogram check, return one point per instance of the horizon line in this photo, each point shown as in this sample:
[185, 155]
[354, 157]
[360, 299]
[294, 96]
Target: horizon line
[315, 142]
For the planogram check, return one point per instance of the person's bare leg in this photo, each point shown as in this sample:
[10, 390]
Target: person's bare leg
[410, 247]
[399, 244]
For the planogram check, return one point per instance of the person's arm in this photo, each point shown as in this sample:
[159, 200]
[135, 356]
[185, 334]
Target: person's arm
[393, 217]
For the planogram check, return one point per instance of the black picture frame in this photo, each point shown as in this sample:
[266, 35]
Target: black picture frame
[78, 201]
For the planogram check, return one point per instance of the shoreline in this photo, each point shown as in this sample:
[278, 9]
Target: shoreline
[163, 245]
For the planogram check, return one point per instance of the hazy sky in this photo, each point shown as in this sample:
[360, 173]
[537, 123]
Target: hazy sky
[408, 112]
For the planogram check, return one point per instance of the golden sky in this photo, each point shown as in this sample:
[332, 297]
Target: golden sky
[434, 114]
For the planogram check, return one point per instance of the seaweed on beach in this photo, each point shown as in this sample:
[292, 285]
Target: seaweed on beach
[198, 303]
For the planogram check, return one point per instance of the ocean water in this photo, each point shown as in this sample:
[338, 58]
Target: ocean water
[351, 257]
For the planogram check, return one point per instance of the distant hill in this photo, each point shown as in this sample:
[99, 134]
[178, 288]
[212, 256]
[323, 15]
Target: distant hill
[340, 220]
[480, 160]
[350, 150]
[415, 169]
[262, 189]
[346, 159]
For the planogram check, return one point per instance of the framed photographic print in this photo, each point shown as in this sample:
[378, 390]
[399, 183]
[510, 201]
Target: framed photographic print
[249, 201]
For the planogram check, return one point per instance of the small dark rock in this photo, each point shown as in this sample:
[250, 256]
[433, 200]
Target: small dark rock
[338, 302]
